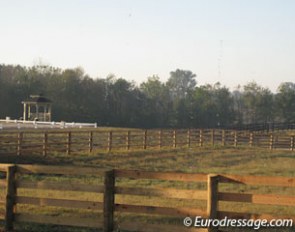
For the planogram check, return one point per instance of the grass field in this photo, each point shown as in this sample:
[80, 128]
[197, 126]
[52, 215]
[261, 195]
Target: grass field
[240, 161]
[201, 160]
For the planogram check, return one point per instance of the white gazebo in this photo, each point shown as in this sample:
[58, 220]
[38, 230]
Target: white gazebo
[37, 107]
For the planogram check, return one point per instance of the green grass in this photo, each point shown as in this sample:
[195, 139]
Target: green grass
[242, 161]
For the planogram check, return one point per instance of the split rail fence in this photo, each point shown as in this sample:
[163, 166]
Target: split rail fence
[132, 200]
[46, 142]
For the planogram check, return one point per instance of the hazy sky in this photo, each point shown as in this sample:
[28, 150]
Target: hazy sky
[231, 41]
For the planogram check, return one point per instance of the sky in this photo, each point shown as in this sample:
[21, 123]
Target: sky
[233, 42]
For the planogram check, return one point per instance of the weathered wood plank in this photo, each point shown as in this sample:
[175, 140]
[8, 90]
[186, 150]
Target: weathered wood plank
[258, 180]
[31, 144]
[109, 201]
[212, 202]
[60, 186]
[59, 203]
[3, 167]
[163, 192]
[178, 212]
[267, 199]
[10, 198]
[59, 220]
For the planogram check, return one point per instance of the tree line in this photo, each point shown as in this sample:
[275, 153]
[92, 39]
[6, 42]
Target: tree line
[179, 102]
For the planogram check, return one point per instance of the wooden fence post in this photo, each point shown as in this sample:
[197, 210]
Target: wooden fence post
[110, 141]
[270, 141]
[188, 138]
[174, 139]
[212, 137]
[90, 141]
[160, 138]
[144, 139]
[201, 138]
[212, 199]
[251, 139]
[69, 142]
[19, 142]
[109, 201]
[45, 143]
[128, 140]
[223, 138]
[10, 197]
[292, 143]
[235, 139]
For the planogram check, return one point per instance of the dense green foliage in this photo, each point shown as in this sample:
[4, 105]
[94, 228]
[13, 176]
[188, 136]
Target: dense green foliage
[179, 102]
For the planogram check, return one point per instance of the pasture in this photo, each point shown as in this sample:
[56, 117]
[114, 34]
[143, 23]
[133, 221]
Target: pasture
[242, 161]
[253, 161]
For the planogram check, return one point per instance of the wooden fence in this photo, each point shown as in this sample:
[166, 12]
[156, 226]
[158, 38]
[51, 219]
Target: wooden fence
[46, 142]
[115, 199]
[267, 127]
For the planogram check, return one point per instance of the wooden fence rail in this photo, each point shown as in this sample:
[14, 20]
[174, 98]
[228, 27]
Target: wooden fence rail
[46, 142]
[113, 195]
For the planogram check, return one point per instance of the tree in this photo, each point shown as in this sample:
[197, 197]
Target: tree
[285, 102]
[156, 104]
[238, 106]
[180, 83]
[258, 102]
[213, 106]
[124, 103]
[117, 102]
[12, 90]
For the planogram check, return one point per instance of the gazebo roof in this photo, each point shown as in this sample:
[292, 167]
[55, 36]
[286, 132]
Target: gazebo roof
[37, 99]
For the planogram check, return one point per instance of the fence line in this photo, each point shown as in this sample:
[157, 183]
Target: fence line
[212, 194]
[46, 142]
[21, 124]
[271, 126]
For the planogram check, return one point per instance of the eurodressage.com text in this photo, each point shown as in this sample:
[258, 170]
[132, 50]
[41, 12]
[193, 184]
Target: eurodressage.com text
[227, 222]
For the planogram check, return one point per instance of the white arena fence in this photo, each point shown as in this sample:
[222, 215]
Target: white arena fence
[20, 124]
